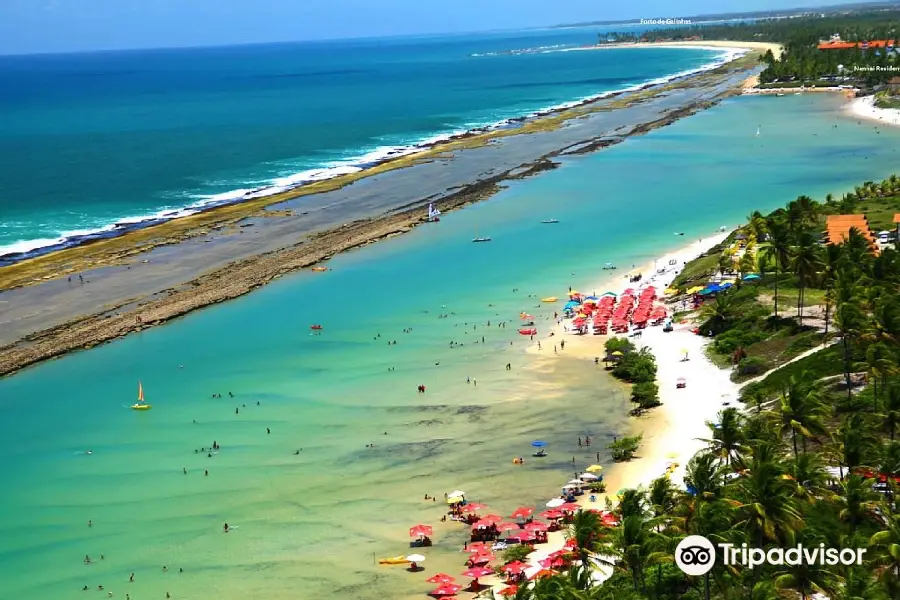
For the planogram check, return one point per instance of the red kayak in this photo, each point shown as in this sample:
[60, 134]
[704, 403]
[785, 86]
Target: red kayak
[530, 331]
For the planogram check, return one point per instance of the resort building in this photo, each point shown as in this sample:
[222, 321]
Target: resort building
[893, 86]
[837, 229]
[836, 43]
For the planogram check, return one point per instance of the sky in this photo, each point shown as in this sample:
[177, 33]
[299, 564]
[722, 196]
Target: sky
[35, 26]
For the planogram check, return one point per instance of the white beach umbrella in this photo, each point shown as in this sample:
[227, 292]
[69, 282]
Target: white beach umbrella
[415, 558]
[555, 502]
[588, 477]
[455, 494]
[576, 482]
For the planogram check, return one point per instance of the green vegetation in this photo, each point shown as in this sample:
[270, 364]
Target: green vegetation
[637, 368]
[883, 100]
[814, 462]
[802, 63]
[624, 449]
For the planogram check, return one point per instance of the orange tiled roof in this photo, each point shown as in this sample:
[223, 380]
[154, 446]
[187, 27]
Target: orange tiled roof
[837, 228]
[897, 218]
[848, 45]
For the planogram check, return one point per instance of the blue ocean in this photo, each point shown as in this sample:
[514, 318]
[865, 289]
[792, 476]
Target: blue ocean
[102, 141]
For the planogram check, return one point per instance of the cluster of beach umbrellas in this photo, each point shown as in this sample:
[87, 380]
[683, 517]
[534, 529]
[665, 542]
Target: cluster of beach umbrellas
[647, 309]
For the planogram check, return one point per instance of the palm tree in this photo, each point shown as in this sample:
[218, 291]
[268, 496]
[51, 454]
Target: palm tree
[806, 261]
[585, 530]
[631, 544]
[886, 550]
[717, 315]
[857, 501]
[766, 509]
[727, 435]
[778, 250]
[661, 497]
[810, 479]
[807, 578]
[891, 411]
[802, 411]
[849, 318]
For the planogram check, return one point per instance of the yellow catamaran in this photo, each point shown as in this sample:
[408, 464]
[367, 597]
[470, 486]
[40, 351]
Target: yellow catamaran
[141, 405]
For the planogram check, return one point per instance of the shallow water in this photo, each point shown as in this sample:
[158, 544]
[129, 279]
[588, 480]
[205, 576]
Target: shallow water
[312, 522]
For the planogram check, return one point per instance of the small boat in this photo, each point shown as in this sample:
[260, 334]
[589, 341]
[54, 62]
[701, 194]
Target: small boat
[480, 239]
[758, 131]
[550, 299]
[315, 327]
[140, 404]
[550, 221]
[433, 213]
[395, 560]
[320, 269]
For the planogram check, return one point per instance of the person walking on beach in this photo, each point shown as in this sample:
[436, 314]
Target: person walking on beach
[579, 441]
[587, 441]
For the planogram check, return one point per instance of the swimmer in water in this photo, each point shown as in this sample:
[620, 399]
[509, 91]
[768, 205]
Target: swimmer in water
[225, 528]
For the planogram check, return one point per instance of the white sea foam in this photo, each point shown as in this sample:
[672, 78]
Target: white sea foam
[354, 163]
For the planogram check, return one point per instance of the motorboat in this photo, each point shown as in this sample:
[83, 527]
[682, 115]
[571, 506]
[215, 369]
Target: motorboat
[481, 239]
[550, 221]
[320, 269]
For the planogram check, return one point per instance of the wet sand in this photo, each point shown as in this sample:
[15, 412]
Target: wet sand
[189, 263]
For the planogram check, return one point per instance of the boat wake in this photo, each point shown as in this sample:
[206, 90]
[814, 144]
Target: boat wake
[24, 249]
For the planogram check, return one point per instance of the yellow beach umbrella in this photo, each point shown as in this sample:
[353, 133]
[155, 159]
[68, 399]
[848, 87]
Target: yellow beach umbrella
[455, 499]
[617, 353]
[594, 468]
[671, 292]
[695, 289]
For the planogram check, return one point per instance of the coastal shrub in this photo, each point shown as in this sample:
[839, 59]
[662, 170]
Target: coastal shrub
[618, 344]
[624, 449]
[739, 337]
[752, 365]
[636, 367]
[517, 552]
[645, 394]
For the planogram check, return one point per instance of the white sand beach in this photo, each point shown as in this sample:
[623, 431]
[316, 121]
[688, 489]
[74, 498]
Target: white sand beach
[776, 49]
[865, 108]
[672, 432]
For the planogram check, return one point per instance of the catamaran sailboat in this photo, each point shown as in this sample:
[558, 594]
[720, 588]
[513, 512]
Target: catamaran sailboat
[140, 404]
[433, 213]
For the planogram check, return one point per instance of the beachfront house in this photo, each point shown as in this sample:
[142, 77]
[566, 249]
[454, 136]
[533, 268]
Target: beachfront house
[837, 229]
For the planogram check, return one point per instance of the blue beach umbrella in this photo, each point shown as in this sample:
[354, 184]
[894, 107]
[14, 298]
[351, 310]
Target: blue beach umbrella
[592, 298]
[614, 295]
[538, 444]
[751, 277]
[725, 286]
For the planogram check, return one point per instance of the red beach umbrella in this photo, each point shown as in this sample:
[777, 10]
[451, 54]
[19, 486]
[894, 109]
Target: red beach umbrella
[417, 530]
[473, 507]
[481, 558]
[492, 518]
[552, 563]
[515, 567]
[523, 536]
[541, 573]
[536, 526]
[482, 524]
[476, 572]
[509, 590]
[508, 527]
[441, 578]
[552, 514]
[523, 512]
[446, 589]
[569, 507]
[478, 547]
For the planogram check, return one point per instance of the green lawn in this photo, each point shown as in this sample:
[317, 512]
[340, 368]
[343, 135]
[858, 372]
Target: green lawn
[825, 363]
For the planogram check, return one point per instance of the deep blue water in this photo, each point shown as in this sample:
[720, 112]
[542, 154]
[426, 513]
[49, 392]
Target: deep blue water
[91, 140]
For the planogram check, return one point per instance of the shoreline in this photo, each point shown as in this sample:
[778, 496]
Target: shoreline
[671, 431]
[232, 279]
[865, 108]
[358, 168]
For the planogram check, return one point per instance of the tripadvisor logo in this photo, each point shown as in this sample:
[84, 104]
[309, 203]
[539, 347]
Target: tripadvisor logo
[696, 555]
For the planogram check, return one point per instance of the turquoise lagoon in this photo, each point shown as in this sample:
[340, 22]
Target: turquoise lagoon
[313, 522]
